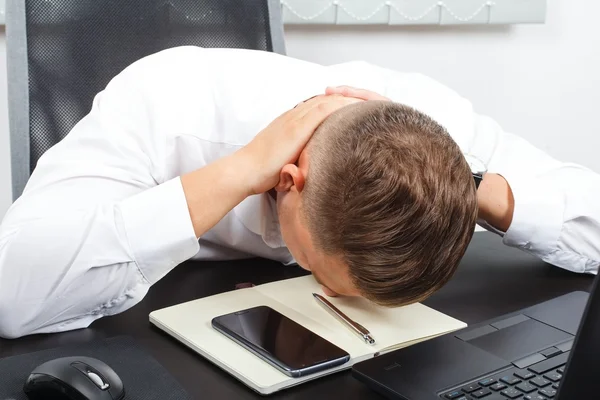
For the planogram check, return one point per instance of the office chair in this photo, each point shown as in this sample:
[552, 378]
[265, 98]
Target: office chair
[61, 53]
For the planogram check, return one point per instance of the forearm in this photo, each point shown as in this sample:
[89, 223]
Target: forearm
[122, 247]
[496, 201]
[212, 191]
[543, 206]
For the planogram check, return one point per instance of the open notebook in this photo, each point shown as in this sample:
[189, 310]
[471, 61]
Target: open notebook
[392, 328]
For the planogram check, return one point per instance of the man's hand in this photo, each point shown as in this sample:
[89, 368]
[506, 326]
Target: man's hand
[283, 140]
[348, 91]
[496, 202]
[211, 192]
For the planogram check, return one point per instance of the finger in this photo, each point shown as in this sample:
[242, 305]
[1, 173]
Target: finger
[296, 114]
[301, 128]
[350, 91]
[347, 91]
[304, 101]
[319, 112]
[315, 104]
[360, 93]
[331, 99]
[302, 108]
[329, 90]
[308, 104]
[308, 125]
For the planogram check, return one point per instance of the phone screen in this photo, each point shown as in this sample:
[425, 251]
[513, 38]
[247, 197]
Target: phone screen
[279, 339]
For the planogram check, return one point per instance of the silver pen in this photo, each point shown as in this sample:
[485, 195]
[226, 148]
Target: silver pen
[355, 327]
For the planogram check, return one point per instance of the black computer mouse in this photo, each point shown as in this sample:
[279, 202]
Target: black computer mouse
[74, 378]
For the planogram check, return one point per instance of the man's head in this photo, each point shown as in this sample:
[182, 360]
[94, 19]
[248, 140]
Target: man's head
[380, 204]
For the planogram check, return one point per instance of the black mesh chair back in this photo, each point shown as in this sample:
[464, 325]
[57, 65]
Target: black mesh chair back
[63, 52]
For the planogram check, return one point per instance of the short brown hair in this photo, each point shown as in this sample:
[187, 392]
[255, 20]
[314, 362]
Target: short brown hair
[390, 192]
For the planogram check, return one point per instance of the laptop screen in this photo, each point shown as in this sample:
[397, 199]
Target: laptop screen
[581, 378]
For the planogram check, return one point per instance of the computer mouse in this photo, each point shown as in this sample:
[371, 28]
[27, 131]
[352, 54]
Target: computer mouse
[74, 378]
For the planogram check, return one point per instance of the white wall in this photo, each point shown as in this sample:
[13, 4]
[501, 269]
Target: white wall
[539, 81]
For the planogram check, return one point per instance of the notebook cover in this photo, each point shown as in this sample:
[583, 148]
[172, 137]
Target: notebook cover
[190, 323]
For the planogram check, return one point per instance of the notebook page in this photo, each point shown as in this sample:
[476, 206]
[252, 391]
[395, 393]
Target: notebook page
[390, 327]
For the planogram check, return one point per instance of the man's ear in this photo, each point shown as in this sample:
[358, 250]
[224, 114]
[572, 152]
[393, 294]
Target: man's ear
[291, 177]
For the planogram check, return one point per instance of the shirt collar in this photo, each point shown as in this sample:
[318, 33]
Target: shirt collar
[259, 215]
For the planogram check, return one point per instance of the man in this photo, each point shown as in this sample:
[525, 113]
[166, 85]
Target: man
[380, 202]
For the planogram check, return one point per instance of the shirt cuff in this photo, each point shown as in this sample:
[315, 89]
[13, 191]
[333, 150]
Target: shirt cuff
[538, 215]
[159, 229]
[490, 228]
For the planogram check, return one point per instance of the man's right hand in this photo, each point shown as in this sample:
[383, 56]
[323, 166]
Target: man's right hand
[214, 190]
[283, 140]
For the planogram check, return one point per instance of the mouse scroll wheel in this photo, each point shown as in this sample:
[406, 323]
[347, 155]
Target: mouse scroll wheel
[97, 380]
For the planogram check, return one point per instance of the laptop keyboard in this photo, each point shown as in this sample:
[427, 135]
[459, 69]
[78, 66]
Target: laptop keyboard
[537, 382]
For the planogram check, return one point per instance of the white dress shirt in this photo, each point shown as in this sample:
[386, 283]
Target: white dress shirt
[104, 216]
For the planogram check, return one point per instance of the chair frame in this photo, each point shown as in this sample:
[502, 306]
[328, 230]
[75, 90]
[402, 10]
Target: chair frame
[18, 84]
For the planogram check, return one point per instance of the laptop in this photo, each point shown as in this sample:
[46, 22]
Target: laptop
[548, 351]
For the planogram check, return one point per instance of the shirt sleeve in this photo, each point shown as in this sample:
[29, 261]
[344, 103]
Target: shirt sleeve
[556, 215]
[97, 224]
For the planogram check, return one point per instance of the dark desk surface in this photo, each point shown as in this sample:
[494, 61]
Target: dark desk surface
[492, 280]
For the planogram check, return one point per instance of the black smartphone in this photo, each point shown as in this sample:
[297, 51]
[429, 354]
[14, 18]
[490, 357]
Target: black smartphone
[283, 343]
